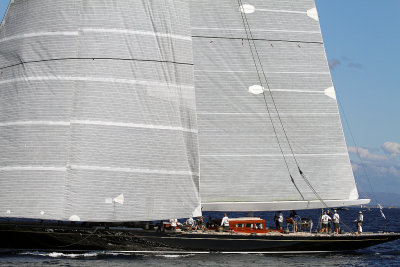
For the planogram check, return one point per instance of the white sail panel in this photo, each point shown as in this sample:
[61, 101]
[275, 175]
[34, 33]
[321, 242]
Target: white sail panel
[242, 165]
[97, 102]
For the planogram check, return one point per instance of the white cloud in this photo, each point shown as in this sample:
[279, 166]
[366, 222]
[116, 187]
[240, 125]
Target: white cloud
[391, 148]
[355, 166]
[366, 154]
[333, 63]
[375, 169]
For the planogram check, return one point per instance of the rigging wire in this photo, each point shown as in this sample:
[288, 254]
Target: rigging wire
[250, 34]
[362, 162]
[357, 150]
[247, 30]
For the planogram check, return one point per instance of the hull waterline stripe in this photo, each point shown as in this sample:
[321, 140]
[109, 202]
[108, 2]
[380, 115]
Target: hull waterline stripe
[271, 240]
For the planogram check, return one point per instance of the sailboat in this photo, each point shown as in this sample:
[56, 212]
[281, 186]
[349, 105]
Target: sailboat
[139, 111]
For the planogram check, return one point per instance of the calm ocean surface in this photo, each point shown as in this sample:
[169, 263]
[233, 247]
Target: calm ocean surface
[382, 255]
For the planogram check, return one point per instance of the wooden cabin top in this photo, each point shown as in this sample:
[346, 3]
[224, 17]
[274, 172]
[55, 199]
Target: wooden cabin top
[249, 225]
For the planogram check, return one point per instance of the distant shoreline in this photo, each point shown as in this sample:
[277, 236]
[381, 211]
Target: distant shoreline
[387, 200]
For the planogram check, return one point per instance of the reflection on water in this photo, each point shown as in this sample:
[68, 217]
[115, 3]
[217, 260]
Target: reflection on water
[209, 259]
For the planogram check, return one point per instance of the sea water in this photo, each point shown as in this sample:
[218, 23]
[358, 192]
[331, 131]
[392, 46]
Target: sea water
[387, 254]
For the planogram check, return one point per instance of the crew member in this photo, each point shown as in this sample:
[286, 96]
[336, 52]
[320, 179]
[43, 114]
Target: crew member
[225, 222]
[200, 223]
[189, 224]
[160, 227]
[328, 212]
[294, 218]
[173, 223]
[336, 220]
[278, 220]
[360, 222]
[325, 221]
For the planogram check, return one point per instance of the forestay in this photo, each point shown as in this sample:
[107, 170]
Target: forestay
[97, 111]
[242, 167]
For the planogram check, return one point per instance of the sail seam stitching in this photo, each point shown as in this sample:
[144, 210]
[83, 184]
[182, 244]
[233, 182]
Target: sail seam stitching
[92, 79]
[138, 32]
[258, 30]
[100, 123]
[93, 168]
[38, 34]
[96, 58]
[112, 31]
[256, 39]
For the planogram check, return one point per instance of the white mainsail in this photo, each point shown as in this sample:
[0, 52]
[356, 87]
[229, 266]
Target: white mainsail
[97, 111]
[242, 167]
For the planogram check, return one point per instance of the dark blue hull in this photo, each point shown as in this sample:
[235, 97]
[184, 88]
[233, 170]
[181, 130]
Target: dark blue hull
[59, 239]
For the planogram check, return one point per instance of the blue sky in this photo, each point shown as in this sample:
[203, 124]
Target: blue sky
[362, 41]
[3, 7]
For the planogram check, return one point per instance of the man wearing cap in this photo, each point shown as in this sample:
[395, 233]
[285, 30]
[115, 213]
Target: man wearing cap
[336, 220]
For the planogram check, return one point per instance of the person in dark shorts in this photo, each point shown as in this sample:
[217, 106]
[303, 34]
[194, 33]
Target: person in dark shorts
[325, 219]
[328, 212]
[278, 220]
[360, 222]
[336, 221]
[295, 219]
[225, 222]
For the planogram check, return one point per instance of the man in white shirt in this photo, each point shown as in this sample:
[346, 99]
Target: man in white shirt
[189, 224]
[173, 223]
[325, 221]
[360, 222]
[336, 221]
[278, 220]
[225, 222]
